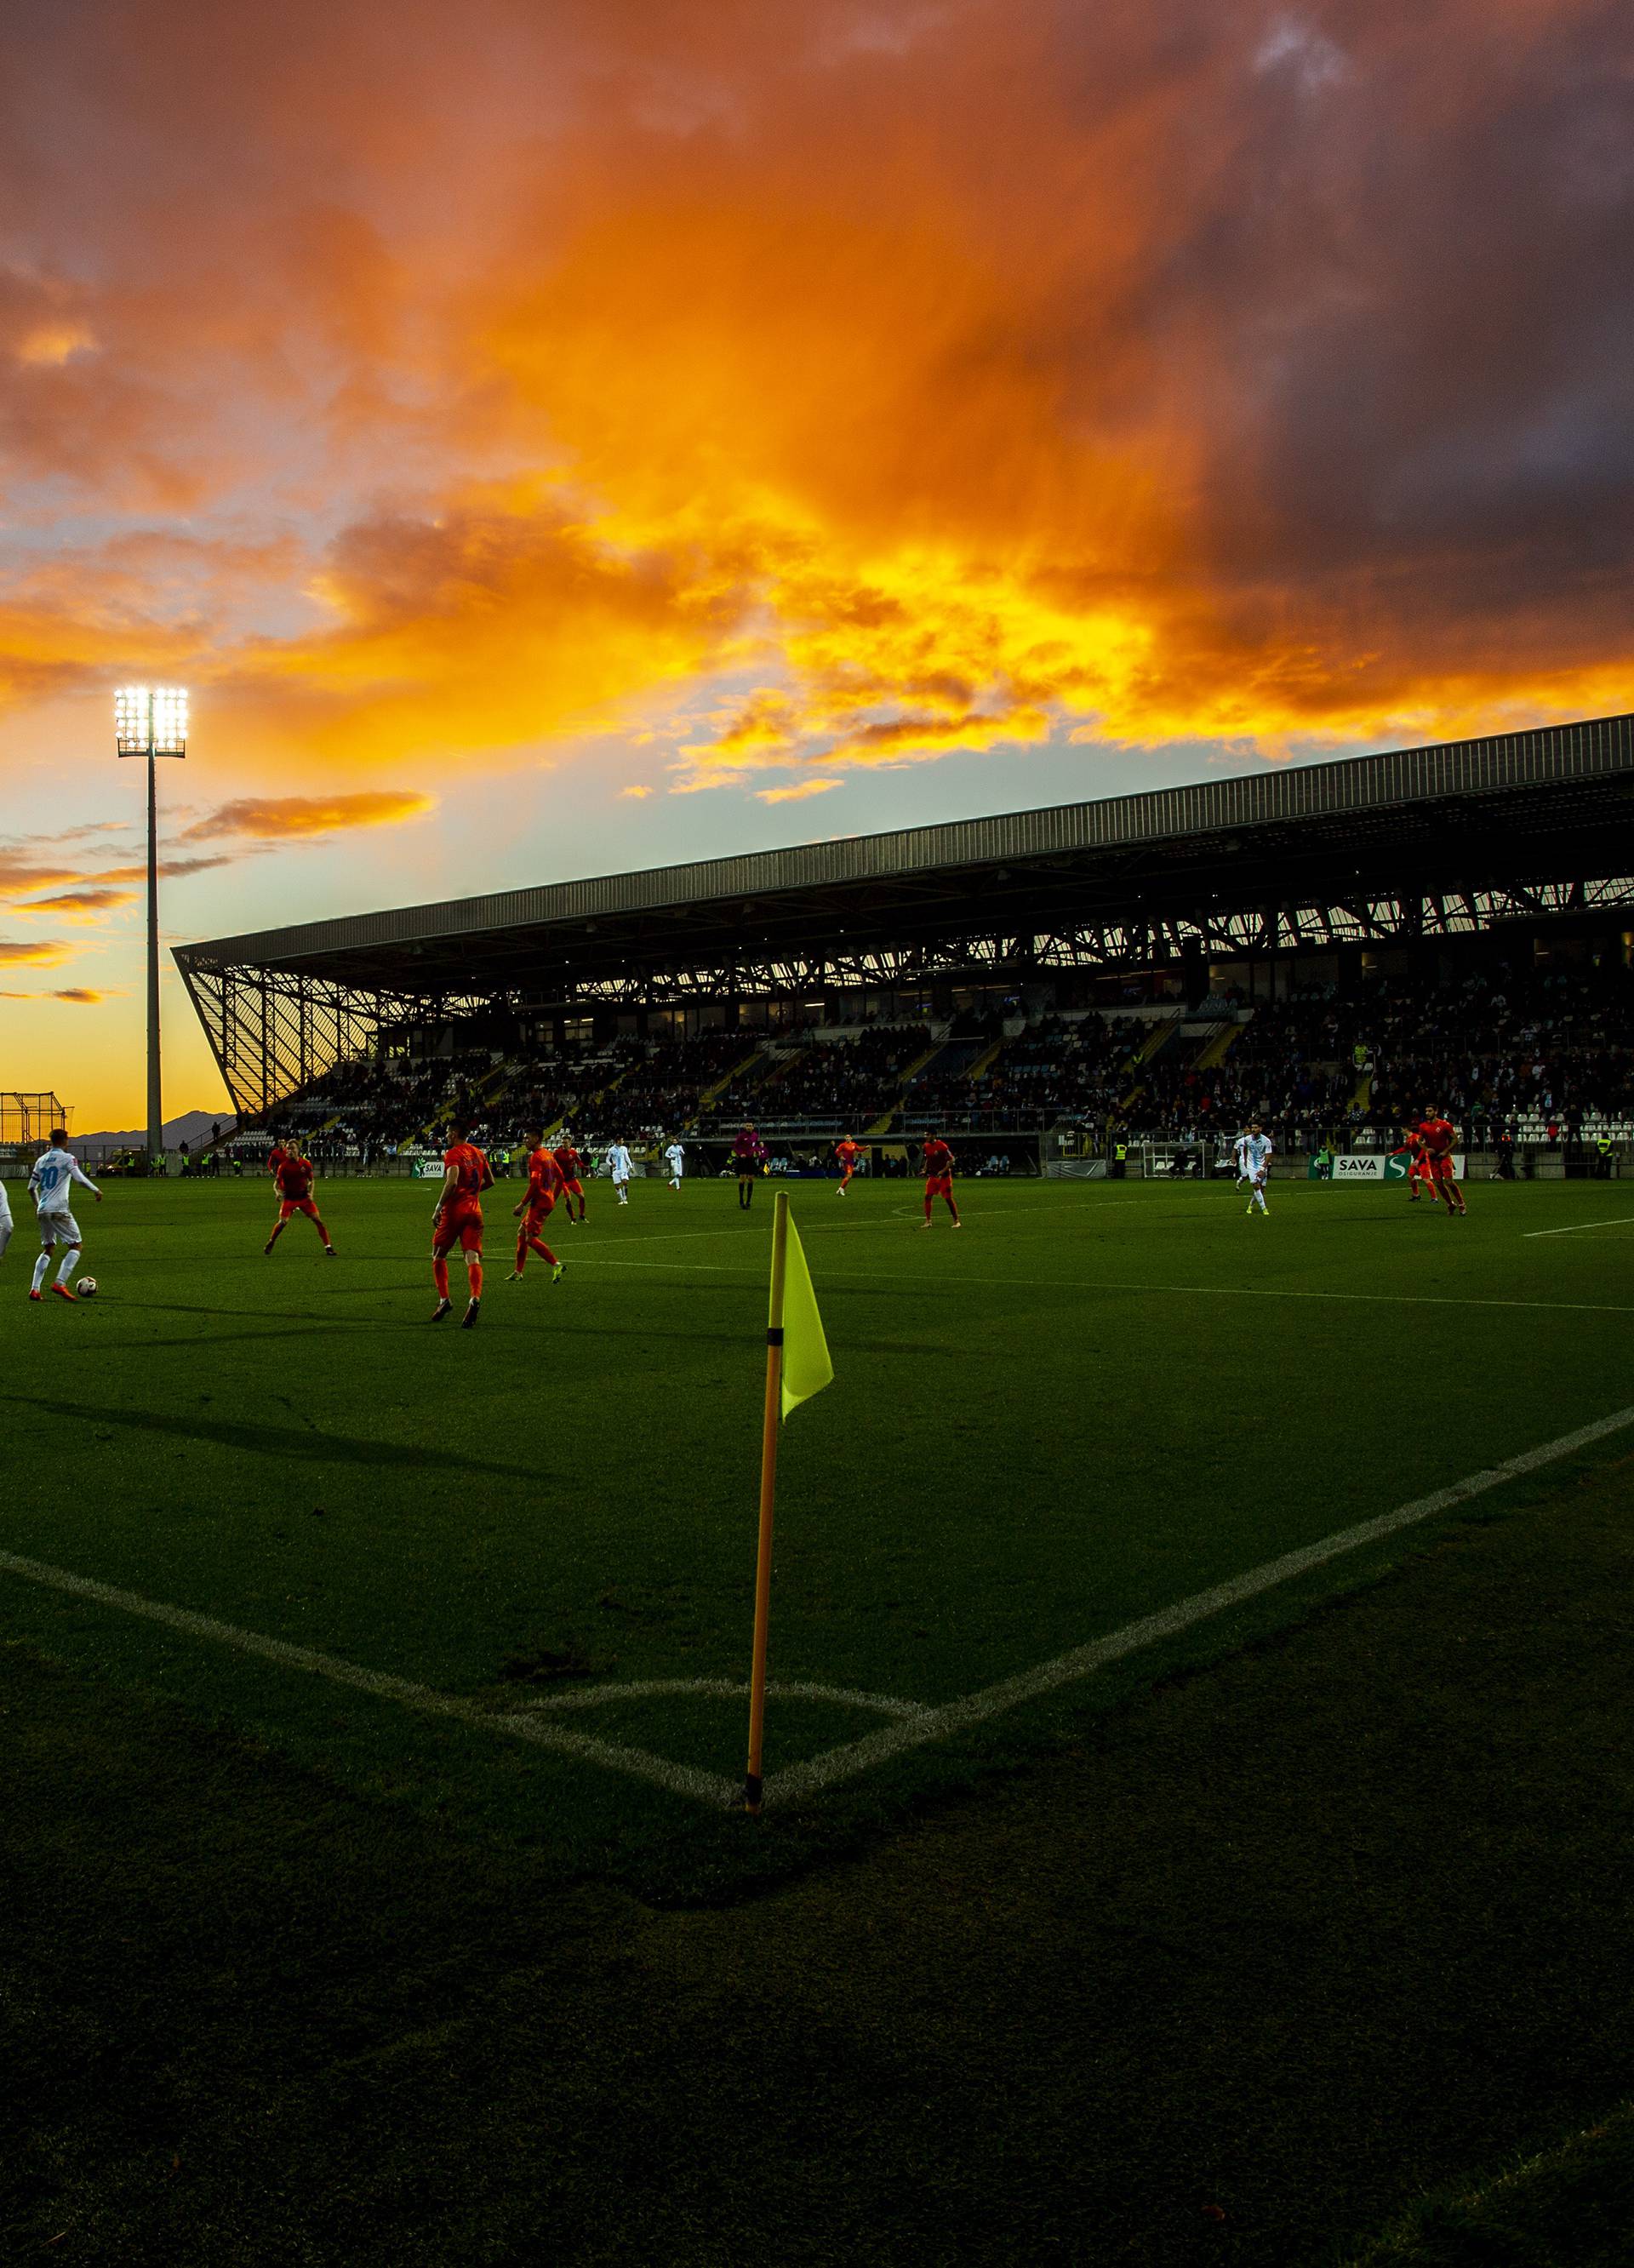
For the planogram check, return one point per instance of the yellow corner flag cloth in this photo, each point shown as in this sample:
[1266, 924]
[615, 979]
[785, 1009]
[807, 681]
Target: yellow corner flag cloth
[806, 1368]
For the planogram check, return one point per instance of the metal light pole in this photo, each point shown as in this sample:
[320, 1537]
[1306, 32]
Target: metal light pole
[150, 721]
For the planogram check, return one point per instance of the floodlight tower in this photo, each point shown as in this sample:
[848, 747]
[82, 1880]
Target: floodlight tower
[150, 721]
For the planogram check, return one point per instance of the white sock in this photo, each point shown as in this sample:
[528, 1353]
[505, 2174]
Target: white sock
[40, 1266]
[5, 1236]
[66, 1267]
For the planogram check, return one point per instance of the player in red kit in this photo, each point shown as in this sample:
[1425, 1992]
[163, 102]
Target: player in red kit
[1418, 1175]
[276, 1156]
[939, 1177]
[848, 1152]
[571, 1166]
[1437, 1136]
[544, 1185]
[294, 1176]
[458, 1219]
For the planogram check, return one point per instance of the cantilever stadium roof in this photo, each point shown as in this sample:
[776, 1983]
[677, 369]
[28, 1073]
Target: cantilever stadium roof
[1552, 804]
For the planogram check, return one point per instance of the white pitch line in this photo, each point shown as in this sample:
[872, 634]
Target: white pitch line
[725, 1689]
[1617, 1220]
[679, 1779]
[798, 1780]
[875, 1219]
[1121, 1284]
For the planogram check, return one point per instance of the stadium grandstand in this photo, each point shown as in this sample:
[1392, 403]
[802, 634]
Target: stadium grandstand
[1325, 946]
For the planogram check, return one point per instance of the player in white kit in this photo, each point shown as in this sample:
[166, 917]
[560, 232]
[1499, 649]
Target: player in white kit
[619, 1166]
[1255, 1154]
[675, 1159]
[49, 1184]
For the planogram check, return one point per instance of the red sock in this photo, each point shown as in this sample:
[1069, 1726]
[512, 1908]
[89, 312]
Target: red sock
[475, 1274]
[543, 1250]
[439, 1277]
[951, 1207]
[927, 1208]
[521, 1252]
[321, 1229]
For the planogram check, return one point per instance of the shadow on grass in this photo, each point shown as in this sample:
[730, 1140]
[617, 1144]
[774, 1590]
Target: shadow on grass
[308, 1446]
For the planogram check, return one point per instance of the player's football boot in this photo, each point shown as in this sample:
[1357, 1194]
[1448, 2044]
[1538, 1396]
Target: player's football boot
[36, 1295]
[558, 1271]
[442, 1308]
[332, 1253]
[959, 1224]
[267, 1248]
[62, 1293]
[515, 1276]
[467, 1321]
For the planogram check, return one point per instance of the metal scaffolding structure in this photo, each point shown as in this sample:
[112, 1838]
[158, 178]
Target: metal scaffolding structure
[25, 1119]
[274, 1030]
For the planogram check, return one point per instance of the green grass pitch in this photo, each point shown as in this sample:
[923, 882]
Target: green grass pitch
[1095, 1401]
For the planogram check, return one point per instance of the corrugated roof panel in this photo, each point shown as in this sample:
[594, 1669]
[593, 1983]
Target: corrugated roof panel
[1352, 785]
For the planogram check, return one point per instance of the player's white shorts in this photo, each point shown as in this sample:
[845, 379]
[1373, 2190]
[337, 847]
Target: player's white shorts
[59, 1228]
[621, 1180]
[676, 1170]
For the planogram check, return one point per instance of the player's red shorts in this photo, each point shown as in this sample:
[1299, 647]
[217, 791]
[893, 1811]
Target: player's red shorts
[460, 1224]
[939, 1185]
[1439, 1169]
[539, 1212]
[573, 1188]
[287, 1205]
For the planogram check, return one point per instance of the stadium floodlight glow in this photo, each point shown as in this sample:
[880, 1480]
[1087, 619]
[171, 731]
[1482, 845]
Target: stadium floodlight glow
[151, 720]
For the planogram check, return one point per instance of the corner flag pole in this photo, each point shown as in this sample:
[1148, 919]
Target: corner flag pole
[768, 1491]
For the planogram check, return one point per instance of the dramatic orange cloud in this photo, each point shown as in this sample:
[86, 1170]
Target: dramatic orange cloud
[18, 952]
[798, 793]
[80, 905]
[79, 995]
[872, 382]
[272, 819]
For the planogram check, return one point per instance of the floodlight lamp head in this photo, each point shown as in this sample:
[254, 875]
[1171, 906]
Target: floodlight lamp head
[150, 720]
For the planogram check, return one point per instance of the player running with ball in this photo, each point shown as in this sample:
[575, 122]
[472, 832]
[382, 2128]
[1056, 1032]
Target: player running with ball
[53, 1175]
[458, 1219]
[937, 1160]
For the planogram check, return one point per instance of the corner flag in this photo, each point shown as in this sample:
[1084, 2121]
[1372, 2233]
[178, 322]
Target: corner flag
[806, 1368]
[796, 1367]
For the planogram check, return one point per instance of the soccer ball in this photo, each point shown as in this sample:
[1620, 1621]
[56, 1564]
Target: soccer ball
[86, 1287]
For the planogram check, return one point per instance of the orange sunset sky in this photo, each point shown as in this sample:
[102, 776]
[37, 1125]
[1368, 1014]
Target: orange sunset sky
[550, 437]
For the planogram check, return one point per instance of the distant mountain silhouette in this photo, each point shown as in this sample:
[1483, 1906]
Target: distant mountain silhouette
[192, 1127]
